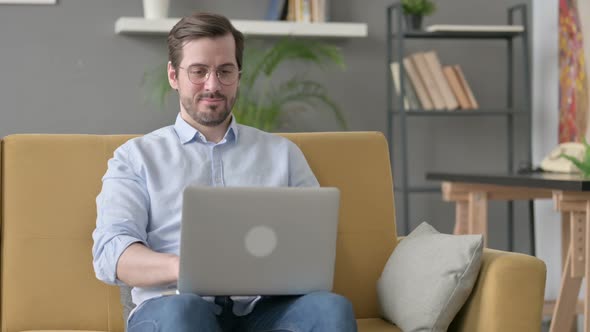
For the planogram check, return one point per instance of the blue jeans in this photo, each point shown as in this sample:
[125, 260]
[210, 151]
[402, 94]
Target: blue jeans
[314, 312]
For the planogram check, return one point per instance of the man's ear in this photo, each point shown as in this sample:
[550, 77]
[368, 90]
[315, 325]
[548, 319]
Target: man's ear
[172, 76]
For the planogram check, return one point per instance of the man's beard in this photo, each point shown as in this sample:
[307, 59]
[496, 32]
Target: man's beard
[214, 115]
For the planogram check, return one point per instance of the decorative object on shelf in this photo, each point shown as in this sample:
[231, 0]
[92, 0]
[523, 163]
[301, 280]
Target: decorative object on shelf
[415, 10]
[262, 100]
[155, 9]
[556, 162]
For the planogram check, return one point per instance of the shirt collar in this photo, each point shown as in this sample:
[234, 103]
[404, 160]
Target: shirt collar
[187, 133]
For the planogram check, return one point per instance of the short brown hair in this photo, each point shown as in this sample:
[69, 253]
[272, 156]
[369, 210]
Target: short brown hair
[201, 25]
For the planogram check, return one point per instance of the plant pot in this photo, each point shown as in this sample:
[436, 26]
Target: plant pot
[154, 9]
[413, 22]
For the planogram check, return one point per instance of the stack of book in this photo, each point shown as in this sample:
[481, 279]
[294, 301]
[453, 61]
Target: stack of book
[305, 11]
[428, 85]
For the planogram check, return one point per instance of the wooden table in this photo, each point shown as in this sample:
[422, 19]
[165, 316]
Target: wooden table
[571, 195]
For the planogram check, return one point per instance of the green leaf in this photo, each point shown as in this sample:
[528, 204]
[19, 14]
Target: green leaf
[583, 167]
[586, 152]
[156, 84]
[309, 93]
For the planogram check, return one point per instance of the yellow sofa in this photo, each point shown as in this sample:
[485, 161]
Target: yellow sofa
[50, 182]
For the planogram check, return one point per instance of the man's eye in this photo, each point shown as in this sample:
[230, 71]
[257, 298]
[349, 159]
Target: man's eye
[199, 72]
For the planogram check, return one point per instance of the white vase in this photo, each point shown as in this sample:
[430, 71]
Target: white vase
[153, 9]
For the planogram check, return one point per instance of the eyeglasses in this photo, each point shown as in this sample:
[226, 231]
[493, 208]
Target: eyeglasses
[227, 75]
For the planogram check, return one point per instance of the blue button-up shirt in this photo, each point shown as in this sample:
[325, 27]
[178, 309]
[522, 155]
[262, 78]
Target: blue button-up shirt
[141, 197]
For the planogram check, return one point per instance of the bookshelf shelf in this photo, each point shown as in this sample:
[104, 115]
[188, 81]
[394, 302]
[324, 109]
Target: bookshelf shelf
[459, 35]
[423, 72]
[478, 112]
[142, 26]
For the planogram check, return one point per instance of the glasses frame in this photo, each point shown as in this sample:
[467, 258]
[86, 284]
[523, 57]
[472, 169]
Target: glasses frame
[208, 75]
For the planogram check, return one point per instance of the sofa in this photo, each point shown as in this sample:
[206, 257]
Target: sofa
[48, 188]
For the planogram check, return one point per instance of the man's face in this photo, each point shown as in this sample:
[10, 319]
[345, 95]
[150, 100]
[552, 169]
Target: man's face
[207, 103]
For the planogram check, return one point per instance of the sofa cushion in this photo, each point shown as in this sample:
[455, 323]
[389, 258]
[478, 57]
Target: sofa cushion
[428, 278]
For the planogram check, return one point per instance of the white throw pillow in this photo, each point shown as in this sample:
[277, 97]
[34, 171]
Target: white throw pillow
[428, 278]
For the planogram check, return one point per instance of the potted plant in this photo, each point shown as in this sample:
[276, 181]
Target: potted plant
[415, 10]
[262, 100]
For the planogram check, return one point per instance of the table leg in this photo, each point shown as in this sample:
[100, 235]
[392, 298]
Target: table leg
[566, 301]
[477, 214]
[461, 216]
[578, 244]
[566, 231]
[574, 269]
[587, 267]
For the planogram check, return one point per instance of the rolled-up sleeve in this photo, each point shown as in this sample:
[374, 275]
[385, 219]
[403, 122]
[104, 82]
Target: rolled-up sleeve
[122, 214]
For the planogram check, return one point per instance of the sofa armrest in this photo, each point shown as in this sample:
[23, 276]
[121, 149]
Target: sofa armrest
[508, 295]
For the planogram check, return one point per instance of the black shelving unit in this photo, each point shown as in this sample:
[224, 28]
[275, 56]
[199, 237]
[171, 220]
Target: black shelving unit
[397, 36]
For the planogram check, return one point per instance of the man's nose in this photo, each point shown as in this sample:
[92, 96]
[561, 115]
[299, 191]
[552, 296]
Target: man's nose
[212, 83]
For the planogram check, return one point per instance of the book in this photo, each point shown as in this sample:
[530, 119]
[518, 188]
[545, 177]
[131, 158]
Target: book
[410, 100]
[428, 79]
[419, 88]
[456, 87]
[276, 10]
[474, 28]
[306, 11]
[443, 86]
[302, 10]
[395, 69]
[473, 103]
[324, 10]
[409, 91]
[318, 10]
[315, 10]
[291, 4]
[298, 10]
[285, 12]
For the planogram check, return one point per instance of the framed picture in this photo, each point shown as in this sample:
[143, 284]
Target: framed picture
[28, 2]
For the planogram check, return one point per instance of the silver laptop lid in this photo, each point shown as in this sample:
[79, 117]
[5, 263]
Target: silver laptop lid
[258, 241]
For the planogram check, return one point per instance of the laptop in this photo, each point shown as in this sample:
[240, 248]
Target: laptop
[258, 241]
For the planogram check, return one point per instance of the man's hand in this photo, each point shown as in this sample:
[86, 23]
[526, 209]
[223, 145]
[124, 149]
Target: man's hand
[139, 266]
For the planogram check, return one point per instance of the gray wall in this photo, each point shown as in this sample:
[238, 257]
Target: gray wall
[545, 122]
[65, 71]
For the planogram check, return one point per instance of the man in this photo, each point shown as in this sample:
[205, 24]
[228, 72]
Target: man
[136, 241]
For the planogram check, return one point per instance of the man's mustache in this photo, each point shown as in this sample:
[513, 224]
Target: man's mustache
[215, 95]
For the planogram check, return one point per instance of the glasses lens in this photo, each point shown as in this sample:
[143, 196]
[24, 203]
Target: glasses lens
[227, 75]
[198, 74]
